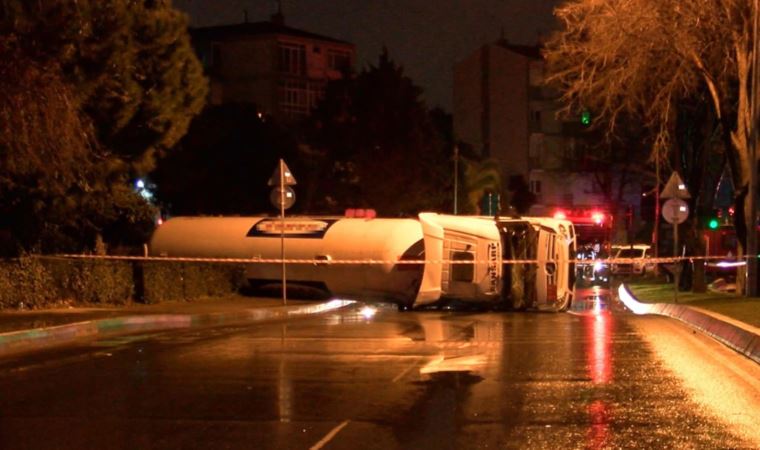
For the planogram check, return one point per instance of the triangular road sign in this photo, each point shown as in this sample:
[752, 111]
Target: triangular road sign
[283, 171]
[675, 188]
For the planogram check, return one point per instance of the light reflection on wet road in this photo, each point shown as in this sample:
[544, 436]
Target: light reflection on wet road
[585, 380]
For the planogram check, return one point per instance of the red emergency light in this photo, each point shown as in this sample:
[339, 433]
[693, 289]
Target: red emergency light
[360, 213]
[580, 216]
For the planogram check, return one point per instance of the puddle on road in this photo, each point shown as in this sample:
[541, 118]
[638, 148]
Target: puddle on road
[592, 301]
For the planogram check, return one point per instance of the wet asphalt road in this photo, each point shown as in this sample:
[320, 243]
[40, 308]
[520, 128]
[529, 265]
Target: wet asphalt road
[596, 378]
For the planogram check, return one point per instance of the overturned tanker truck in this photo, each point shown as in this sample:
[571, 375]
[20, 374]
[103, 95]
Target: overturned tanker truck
[517, 262]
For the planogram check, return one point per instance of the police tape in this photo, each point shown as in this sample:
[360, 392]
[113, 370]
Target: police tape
[324, 262]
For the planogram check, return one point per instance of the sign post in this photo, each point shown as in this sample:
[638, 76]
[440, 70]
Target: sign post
[283, 197]
[675, 211]
[456, 177]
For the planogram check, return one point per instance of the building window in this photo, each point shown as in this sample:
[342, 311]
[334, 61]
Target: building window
[535, 186]
[535, 149]
[294, 97]
[338, 60]
[299, 97]
[317, 49]
[316, 93]
[292, 59]
[536, 116]
[594, 188]
[570, 153]
[216, 56]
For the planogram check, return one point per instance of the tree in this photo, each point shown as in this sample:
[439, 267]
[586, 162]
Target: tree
[382, 150]
[522, 197]
[614, 163]
[224, 162]
[90, 91]
[165, 88]
[480, 178]
[45, 144]
[131, 64]
[646, 58]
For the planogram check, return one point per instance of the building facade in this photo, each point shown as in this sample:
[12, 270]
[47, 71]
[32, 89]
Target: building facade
[283, 70]
[503, 109]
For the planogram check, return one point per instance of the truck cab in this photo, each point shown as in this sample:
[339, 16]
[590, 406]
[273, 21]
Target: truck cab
[472, 258]
[547, 282]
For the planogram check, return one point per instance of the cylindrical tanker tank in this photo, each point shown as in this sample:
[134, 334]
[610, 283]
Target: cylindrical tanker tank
[317, 239]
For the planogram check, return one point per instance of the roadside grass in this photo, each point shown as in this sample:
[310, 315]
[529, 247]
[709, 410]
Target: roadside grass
[650, 290]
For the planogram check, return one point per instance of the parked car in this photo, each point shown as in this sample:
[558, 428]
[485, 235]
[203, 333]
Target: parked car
[640, 264]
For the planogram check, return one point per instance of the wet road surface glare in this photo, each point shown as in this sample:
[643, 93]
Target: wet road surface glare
[372, 377]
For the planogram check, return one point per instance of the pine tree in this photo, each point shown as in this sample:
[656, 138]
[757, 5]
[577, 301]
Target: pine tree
[91, 91]
[383, 149]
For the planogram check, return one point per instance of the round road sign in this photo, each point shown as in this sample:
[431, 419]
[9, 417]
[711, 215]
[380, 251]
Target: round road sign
[675, 211]
[288, 199]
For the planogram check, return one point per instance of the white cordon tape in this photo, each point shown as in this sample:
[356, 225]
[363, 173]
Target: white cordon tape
[322, 262]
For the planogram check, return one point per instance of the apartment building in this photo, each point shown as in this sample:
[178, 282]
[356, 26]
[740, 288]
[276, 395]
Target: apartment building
[504, 110]
[283, 70]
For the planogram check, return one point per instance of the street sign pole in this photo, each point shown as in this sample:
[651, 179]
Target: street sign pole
[677, 267]
[283, 197]
[675, 211]
[282, 233]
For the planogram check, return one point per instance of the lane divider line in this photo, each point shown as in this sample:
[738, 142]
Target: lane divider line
[407, 370]
[329, 436]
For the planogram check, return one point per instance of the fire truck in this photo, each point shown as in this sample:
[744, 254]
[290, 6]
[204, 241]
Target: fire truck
[592, 225]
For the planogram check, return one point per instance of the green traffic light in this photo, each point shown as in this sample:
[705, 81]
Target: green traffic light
[713, 224]
[586, 117]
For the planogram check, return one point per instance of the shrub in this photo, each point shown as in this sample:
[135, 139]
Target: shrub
[92, 281]
[25, 282]
[34, 282]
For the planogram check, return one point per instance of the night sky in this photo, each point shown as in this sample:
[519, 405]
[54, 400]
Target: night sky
[425, 36]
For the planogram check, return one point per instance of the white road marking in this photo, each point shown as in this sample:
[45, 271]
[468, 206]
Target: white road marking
[406, 371]
[329, 436]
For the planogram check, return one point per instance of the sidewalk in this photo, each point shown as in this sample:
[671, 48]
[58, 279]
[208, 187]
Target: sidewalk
[737, 335]
[22, 331]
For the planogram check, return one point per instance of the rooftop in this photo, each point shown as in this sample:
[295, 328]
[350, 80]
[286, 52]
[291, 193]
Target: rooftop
[257, 29]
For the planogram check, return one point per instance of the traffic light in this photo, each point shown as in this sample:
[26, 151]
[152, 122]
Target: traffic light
[586, 117]
[713, 223]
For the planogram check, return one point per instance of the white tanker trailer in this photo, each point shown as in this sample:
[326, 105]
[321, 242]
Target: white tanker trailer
[467, 258]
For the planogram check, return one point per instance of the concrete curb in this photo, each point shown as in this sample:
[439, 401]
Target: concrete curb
[737, 338]
[34, 339]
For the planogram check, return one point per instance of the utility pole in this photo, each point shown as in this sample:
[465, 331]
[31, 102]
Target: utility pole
[751, 290]
[456, 177]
